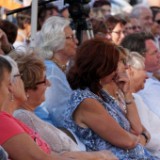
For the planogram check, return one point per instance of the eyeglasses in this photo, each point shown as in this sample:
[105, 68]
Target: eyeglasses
[118, 32]
[17, 75]
[157, 21]
[42, 82]
[72, 37]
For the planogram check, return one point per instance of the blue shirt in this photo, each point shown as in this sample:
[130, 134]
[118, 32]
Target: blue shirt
[92, 140]
[57, 95]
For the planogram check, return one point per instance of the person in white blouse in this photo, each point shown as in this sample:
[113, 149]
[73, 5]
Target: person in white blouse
[149, 119]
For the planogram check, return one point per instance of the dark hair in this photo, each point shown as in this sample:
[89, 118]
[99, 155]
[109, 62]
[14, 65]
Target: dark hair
[23, 17]
[95, 59]
[99, 26]
[4, 65]
[42, 12]
[155, 10]
[10, 29]
[101, 3]
[112, 21]
[136, 42]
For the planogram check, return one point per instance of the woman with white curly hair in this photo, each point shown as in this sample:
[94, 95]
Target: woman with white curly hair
[57, 45]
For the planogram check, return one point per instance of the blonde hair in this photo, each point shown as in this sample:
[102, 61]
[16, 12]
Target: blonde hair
[30, 65]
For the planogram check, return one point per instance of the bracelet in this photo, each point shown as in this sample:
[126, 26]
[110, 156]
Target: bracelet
[128, 102]
[145, 136]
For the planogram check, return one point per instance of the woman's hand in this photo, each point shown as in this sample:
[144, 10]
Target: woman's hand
[123, 82]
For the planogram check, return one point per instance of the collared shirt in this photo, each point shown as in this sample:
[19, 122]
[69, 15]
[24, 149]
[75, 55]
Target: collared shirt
[151, 122]
[151, 94]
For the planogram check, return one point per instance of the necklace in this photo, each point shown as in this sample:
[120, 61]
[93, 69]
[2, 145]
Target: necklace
[61, 66]
[120, 100]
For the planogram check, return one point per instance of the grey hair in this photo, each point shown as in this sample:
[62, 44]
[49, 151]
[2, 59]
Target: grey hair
[137, 10]
[51, 38]
[13, 63]
[135, 60]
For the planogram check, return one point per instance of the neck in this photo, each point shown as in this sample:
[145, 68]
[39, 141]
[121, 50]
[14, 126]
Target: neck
[9, 107]
[60, 60]
[27, 106]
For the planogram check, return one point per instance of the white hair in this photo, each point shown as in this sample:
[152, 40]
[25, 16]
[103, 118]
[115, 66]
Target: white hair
[51, 38]
[135, 60]
[13, 63]
[137, 10]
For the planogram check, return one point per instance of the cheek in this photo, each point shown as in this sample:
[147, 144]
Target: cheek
[42, 93]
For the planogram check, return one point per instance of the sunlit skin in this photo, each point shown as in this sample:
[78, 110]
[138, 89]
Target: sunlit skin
[4, 87]
[117, 33]
[37, 96]
[152, 56]
[139, 76]
[136, 26]
[146, 19]
[69, 49]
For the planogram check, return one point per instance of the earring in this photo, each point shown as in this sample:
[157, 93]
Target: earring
[12, 97]
[27, 95]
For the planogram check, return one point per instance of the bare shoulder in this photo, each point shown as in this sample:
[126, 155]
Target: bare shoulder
[89, 109]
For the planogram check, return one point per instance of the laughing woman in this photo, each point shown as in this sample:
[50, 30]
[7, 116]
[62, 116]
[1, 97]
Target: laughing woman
[92, 114]
[36, 83]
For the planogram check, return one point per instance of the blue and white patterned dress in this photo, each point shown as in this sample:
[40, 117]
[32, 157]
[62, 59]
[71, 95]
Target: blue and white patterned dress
[94, 142]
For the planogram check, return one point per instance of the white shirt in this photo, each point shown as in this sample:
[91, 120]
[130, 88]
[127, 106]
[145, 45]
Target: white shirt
[152, 123]
[151, 95]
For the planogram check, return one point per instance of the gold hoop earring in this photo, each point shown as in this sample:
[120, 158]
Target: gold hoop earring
[12, 97]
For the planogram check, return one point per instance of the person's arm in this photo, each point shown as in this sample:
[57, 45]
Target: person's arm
[23, 147]
[4, 43]
[132, 115]
[92, 114]
[99, 155]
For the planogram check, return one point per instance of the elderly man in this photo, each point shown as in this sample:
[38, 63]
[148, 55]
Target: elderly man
[144, 15]
[147, 99]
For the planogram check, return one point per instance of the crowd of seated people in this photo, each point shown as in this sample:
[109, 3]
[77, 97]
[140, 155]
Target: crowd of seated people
[95, 99]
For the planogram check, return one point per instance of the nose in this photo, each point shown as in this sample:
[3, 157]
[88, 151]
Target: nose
[48, 83]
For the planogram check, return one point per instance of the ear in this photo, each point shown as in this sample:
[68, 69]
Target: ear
[27, 94]
[130, 71]
[10, 87]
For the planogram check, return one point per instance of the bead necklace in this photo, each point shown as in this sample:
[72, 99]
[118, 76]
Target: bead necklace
[61, 66]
